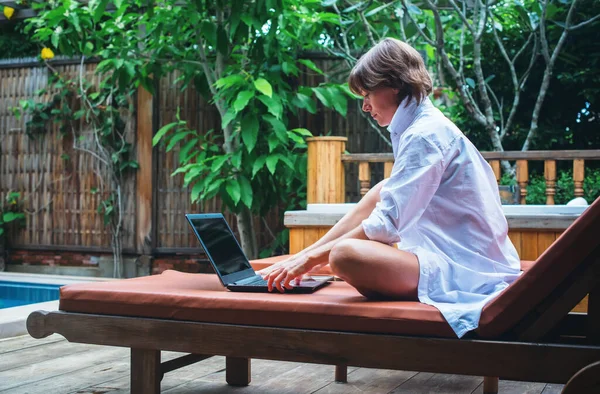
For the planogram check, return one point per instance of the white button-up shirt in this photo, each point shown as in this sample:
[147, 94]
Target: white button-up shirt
[441, 203]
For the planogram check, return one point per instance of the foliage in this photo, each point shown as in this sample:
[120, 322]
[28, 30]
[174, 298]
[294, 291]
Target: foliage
[94, 115]
[11, 213]
[536, 190]
[14, 43]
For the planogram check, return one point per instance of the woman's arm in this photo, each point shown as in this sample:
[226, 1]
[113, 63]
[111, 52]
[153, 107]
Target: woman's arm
[352, 219]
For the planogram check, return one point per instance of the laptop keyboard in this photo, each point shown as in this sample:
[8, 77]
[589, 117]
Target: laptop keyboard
[257, 282]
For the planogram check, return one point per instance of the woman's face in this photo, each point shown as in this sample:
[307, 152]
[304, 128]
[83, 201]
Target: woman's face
[382, 104]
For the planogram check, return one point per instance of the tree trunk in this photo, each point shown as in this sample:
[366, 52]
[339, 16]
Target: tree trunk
[247, 233]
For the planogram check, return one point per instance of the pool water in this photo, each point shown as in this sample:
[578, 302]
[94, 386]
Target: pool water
[22, 293]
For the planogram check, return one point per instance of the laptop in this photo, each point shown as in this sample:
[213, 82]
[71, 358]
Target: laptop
[229, 261]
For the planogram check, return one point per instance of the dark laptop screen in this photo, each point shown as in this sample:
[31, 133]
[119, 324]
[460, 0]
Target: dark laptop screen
[221, 245]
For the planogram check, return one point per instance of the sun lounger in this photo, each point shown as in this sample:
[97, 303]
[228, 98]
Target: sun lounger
[526, 333]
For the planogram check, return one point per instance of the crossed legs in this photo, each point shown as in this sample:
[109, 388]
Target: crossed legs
[376, 270]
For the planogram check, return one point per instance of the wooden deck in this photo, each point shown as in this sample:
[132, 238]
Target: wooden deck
[53, 365]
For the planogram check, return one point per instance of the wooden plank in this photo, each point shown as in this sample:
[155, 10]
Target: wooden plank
[438, 383]
[522, 178]
[542, 362]
[22, 342]
[544, 239]
[516, 238]
[514, 387]
[296, 240]
[37, 354]
[495, 164]
[529, 244]
[58, 366]
[311, 235]
[578, 177]
[550, 177]
[371, 381]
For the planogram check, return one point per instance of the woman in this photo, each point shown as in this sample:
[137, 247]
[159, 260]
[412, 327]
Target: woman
[434, 231]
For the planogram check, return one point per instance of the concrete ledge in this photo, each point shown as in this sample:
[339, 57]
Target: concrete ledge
[12, 320]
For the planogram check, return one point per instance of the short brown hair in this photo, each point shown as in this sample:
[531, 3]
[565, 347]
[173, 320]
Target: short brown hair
[395, 64]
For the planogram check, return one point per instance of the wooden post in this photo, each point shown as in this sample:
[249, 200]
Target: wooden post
[144, 184]
[550, 176]
[490, 385]
[522, 178]
[387, 169]
[495, 164]
[237, 371]
[578, 176]
[145, 371]
[326, 183]
[341, 373]
[364, 177]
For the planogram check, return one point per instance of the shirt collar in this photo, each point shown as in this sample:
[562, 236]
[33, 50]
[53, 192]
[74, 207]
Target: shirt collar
[406, 114]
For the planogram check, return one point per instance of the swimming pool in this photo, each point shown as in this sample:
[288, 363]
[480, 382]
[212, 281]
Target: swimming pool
[14, 294]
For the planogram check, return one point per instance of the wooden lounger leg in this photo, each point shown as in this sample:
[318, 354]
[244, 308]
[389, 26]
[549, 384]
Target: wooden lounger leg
[145, 371]
[237, 371]
[341, 373]
[490, 385]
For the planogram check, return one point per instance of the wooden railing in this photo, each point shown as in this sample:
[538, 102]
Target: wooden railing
[326, 171]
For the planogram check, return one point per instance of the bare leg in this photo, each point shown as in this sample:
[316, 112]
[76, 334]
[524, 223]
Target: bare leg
[376, 270]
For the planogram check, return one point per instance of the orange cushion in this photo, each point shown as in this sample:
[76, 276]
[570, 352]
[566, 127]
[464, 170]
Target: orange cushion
[202, 298]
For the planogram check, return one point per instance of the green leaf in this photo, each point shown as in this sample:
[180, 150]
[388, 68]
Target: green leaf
[246, 191]
[236, 159]
[1, 231]
[233, 189]
[89, 48]
[197, 190]
[229, 116]
[229, 81]
[306, 102]
[258, 164]
[183, 153]
[222, 41]
[176, 138]
[279, 128]
[99, 11]
[340, 103]
[250, 131]
[242, 100]
[213, 187]
[218, 163]
[324, 96]
[470, 82]
[163, 130]
[272, 163]
[263, 86]
[209, 31]
[273, 105]
[9, 217]
[302, 131]
[273, 142]
[309, 64]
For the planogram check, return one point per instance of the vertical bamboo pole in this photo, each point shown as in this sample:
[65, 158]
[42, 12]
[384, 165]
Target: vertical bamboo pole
[496, 168]
[578, 176]
[325, 170]
[522, 178]
[387, 169]
[144, 179]
[364, 177]
[550, 176]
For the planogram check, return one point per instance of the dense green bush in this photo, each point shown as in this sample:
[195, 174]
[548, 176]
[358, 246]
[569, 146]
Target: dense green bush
[536, 190]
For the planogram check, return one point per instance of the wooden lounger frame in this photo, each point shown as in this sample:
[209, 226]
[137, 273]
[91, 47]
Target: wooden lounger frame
[549, 345]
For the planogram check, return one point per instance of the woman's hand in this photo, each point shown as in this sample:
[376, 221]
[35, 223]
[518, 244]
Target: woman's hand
[284, 272]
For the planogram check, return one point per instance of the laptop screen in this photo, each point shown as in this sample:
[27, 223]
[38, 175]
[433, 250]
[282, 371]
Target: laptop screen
[220, 243]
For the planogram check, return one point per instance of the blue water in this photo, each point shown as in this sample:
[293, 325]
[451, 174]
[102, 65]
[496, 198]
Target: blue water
[22, 293]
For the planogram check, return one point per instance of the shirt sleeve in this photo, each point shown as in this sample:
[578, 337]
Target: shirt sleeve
[415, 178]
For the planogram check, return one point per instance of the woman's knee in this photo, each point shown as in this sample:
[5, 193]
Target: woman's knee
[341, 256]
